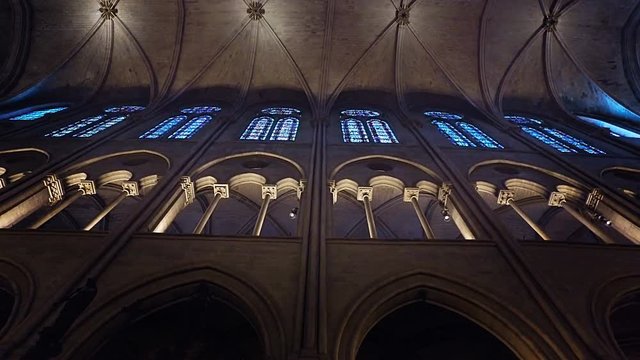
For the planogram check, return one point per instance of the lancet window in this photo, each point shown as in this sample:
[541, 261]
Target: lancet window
[184, 126]
[274, 124]
[38, 114]
[460, 133]
[94, 125]
[376, 130]
[557, 139]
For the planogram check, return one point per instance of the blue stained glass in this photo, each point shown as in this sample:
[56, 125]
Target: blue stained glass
[100, 127]
[75, 126]
[124, 109]
[360, 113]
[191, 128]
[616, 130]
[198, 110]
[548, 140]
[576, 143]
[281, 111]
[353, 131]
[479, 136]
[164, 127]
[258, 129]
[34, 115]
[521, 120]
[381, 132]
[454, 135]
[285, 130]
[443, 115]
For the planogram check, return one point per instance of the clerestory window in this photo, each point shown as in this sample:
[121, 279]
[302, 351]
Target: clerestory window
[184, 126]
[460, 133]
[363, 126]
[94, 125]
[274, 124]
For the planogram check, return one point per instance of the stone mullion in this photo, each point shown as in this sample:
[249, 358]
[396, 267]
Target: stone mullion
[117, 239]
[470, 203]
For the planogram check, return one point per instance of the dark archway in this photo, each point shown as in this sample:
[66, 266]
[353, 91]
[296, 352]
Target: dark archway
[201, 326]
[424, 331]
[625, 324]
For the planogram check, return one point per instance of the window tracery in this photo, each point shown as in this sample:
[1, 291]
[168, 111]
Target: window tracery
[94, 125]
[460, 133]
[376, 130]
[285, 130]
[197, 116]
[258, 129]
[381, 132]
[164, 127]
[38, 114]
[353, 131]
[281, 124]
[281, 111]
[188, 130]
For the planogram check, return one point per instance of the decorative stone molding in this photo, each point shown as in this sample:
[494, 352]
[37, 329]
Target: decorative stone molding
[255, 10]
[302, 185]
[557, 199]
[549, 22]
[222, 190]
[108, 9]
[411, 193]
[189, 190]
[87, 187]
[594, 198]
[2, 183]
[333, 190]
[402, 15]
[365, 192]
[131, 188]
[444, 192]
[506, 196]
[55, 189]
[271, 190]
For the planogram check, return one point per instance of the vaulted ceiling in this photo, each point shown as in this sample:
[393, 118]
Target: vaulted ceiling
[491, 56]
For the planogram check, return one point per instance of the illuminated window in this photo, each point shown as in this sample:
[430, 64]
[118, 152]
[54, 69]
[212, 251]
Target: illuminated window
[479, 136]
[353, 131]
[381, 132]
[281, 111]
[441, 115]
[164, 127]
[557, 139]
[69, 129]
[258, 129]
[454, 135]
[615, 130]
[128, 109]
[192, 126]
[201, 110]
[100, 127]
[360, 113]
[285, 130]
[38, 114]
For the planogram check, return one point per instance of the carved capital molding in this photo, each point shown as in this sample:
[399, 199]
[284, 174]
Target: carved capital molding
[444, 192]
[557, 199]
[255, 10]
[189, 190]
[333, 190]
[594, 198]
[365, 192]
[302, 185]
[108, 9]
[87, 187]
[410, 193]
[222, 190]
[506, 196]
[131, 188]
[271, 190]
[3, 184]
[55, 189]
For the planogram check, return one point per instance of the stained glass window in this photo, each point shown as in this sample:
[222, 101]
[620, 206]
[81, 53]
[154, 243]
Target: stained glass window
[281, 111]
[537, 134]
[258, 129]
[199, 110]
[521, 120]
[124, 109]
[576, 143]
[164, 127]
[479, 136]
[69, 129]
[381, 132]
[285, 130]
[615, 130]
[353, 131]
[100, 127]
[441, 115]
[454, 135]
[191, 128]
[38, 114]
[360, 113]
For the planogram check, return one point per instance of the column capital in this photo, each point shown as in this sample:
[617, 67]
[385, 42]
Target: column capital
[54, 187]
[557, 199]
[188, 188]
[365, 191]
[3, 184]
[87, 187]
[131, 188]
[271, 190]
[222, 190]
[333, 190]
[302, 185]
[506, 196]
[443, 193]
[594, 198]
[410, 193]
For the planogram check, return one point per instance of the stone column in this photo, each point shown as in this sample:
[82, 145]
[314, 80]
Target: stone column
[269, 192]
[506, 197]
[412, 195]
[84, 187]
[365, 194]
[220, 191]
[129, 188]
[559, 199]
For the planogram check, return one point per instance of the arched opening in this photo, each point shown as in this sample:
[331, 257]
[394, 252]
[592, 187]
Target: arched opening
[199, 326]
[625, 325]
[425, 331]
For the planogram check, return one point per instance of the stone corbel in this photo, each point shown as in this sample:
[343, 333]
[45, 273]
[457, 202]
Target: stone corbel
[271, 190]
[222, 190]
[505, 197]
[410, 193]
[54, 188]
[189, 190]
[364, 192]
[87, 187]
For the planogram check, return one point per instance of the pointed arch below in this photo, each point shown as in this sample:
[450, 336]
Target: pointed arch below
[517, 164]
[416, 165]
[152, 294]
[514, 331]
[213, 163]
